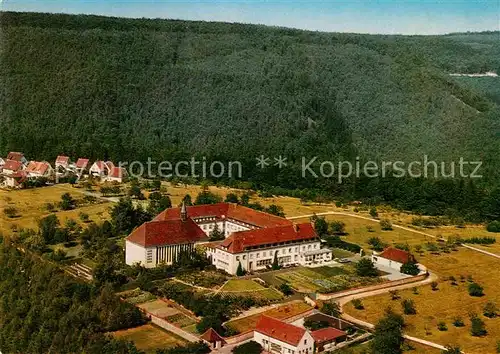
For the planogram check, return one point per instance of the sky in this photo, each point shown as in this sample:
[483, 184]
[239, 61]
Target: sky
[361, 16]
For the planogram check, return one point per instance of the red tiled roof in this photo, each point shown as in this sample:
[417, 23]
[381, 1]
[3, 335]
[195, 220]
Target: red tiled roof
[38, 167]
[227, 210]
[212, 336]
[16, 156]
[397, 255]
[279, 330]
[167, 232]
[327, 334]
[109, 165]
[62, 160]
[99, 164]
[82, 163]
[238, 241]
[12, 165]
[117, 172]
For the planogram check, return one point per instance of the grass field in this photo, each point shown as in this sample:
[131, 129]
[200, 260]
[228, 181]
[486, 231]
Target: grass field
[30, 204]
[248, 287]
[363, 348]
[248, 323]
[149, 338]
[448, 302]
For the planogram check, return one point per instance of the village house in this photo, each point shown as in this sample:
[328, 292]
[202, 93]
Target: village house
[326, 339]
[98, 169]
[11, 166]
[116, 174]
[276, 336]
[393, 258]
[2, 162]
[81, 165]
[62, 163]
[17, 156]
[38, 169]
[252, 238]
[214, 340]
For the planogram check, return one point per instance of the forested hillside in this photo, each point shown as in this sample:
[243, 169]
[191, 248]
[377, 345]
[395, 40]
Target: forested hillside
[129, 89]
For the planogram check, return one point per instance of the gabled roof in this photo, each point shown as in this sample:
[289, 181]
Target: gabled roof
[117, 172]
[212, 336]
[239, 241]
[16, 156]
[397, 255]
[99, 164]
[18, 177]
[38, 167]
[280, 330]
[62, 160]
[227, 210]
[82, 163]
[12, 165]
[167, 232]
[109, 165]
[327, 334]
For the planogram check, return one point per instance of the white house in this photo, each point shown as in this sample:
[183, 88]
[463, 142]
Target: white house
[98, 169]
[11, 167]
[38, 169]
[252, 238]
[296, 244]
[276, 336]
[116, 174]
[62, 163]
[17, 156]
[393, 258]
[81, 165]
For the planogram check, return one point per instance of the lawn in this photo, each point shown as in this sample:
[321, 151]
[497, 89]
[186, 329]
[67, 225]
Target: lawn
[30, 205]
[323, 279]
[149, 338]
[281, 312]
[240, 285]
[448, 302]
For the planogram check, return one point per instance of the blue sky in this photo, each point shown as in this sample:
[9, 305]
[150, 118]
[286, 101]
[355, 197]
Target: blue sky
[364, 16]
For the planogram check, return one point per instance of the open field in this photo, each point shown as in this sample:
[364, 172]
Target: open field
[30, 204]
[248, 287]
[149, 338]
[363, 348]
[448, 302]
[281, 312]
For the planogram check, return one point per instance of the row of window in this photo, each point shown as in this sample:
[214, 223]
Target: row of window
[284, 251]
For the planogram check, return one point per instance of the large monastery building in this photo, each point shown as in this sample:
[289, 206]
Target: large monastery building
[253, 238]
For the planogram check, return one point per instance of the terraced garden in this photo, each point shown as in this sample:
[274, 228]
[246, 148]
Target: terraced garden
[250, 288]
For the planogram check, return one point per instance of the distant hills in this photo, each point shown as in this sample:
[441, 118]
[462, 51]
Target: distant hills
[129, 89]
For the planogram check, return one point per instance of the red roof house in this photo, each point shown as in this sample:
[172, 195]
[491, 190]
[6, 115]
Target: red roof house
[327, 336]
[17, 156]
[240, 241]
[272, 333]
[62, 161]
[397, 255]
[39, 169]
[11, 166]
[98, 168]
[81, 164]
[221, 211]
[213, 338]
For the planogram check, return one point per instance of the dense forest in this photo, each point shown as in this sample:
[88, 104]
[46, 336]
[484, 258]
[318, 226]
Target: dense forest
[129, 89]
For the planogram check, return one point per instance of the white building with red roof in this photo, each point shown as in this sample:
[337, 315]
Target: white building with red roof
[276, 336]
[62, 162]
[11, 167]
[98, 169]
[81, 165]
[116, 174]
[17, 156]
[37, 169]
[393, 258]
[253, 238]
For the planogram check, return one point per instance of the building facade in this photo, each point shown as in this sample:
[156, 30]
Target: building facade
[252, 238]
[393, 258]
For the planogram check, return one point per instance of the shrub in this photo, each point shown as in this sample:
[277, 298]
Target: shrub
[50, 207]
[370, 228]
[315, 325]
[452, 350]
[408, 307]
[410, 268]
[239, 270]
[365, 268]
[490, 309]
[84, 217]
[10, 212]
[394, 295]
[458, 322]
[251, 347]
[434, 286]
[478, 328]
[386, 225]
[475, 290]
[480, 240]
[493, 226]
[442, 326]
[358, 304]
[286, 289]
[415, 290]
[373, 212]
[376, 243]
